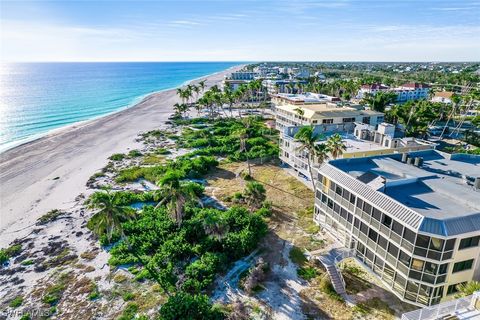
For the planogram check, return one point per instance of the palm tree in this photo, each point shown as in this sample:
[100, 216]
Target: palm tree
[243, 134]
[175, 194]
[196, 89]
[380, 100]
[109, 218]
[467, 288]
[308, 140]
[201, 84]
[335, 145]
[254, 194]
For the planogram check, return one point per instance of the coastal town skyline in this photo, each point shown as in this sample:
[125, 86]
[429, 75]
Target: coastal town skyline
[240, 31]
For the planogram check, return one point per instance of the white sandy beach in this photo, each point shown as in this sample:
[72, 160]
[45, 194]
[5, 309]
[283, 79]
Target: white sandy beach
[50, 172]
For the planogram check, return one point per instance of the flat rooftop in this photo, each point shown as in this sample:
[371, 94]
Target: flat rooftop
[440, 190]
[327, 109]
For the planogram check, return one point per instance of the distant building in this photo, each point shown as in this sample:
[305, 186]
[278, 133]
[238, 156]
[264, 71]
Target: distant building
[412, 218]
[371, 89]
[243, 75]
[443, 97]
[314, 109]
[283, 86]
[406, 92]
[236, 79]
[361, 140]
[412, 91]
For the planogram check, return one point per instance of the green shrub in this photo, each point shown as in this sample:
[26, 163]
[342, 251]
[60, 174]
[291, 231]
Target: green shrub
[26, 316]
[134, 153]
[50, 216]
[117, 157]
[297, 256]
[186, 306]
[27, 262]
[127, 296]
[129, 312]
[7, 253]
[162, 151]
[307, 273]
[53, 294]
[16, 302]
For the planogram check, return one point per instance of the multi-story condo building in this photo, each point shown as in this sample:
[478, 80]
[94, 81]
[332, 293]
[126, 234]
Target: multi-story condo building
[243, 75]
[412, 91]
[406, 92]
[236, 79]
[366, 140]
[412, 219]
[314, 109]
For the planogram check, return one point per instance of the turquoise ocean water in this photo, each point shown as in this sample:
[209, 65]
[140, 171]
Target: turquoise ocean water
[38, 97]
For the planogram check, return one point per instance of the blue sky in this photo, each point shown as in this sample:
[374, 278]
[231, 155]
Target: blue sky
[236, 30]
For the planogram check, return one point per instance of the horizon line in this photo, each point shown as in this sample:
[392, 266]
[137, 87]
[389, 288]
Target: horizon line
[242, 61]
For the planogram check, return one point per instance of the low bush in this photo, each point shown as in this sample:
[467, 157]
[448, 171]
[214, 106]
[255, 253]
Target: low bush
[134, 153]
[16, 302]
[7, 253]
[307, 273]
[297, 256]
[50, 216]
[117, 157]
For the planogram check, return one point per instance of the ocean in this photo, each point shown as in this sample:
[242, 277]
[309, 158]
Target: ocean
[38, 97]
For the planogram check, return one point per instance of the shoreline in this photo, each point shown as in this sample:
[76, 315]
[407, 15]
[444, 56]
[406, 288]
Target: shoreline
[136, 101]
[51, 172]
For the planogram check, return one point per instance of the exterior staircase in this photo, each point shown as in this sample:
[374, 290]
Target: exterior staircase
[330, 260]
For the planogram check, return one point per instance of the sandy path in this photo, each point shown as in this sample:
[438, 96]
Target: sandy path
[27, 172]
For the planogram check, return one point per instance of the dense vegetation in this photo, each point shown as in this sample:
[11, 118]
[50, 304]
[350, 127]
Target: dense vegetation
[176, 241]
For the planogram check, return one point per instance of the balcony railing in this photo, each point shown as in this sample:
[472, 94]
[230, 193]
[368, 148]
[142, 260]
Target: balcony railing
[463, 308]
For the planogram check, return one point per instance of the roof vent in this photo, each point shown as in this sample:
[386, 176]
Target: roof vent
[476, 184]
[404, 157]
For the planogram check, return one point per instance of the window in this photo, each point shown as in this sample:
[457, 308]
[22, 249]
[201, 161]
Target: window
[449, 245]
[436, 244]
[372, 235]
[363, 228]
[409, 235]
[422, 241]
[454, 288]
[387, 221]
[404, 258]
[327, 121]
[345, 120]
[431, 268]
[338, 190]
[468, 242]
[376, 214]
[417, 264]
[393, 250]
[382, 242]
[366, 120]
[462, 265]
[346, 194]
[359, 203]
[397, 228]
[352, 199]
[367, 208]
